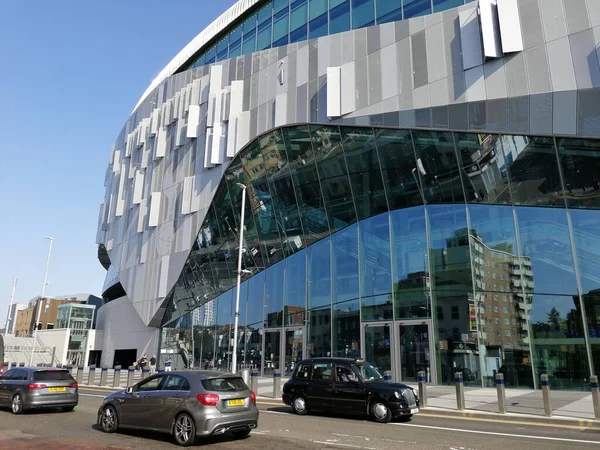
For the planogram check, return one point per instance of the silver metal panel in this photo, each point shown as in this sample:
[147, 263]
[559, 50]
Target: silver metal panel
[564, 107]
[348, 96]
[470, 38]
[576, 15]
[154, 214]
[509, 20]
[490, 30]
[537, 70]
[495, 79]
[562, 73]
[436, 64]
[553, 18]
[585, 59]
[389, 72]
[475, 83]
[193, 122]
[334, 94]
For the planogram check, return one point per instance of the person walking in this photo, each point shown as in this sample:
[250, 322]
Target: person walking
[168, 364]
[153, 364]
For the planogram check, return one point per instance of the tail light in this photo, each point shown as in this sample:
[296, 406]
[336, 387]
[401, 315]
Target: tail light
[36, 386]
[74, 385]
[208, 399]
[252, 397]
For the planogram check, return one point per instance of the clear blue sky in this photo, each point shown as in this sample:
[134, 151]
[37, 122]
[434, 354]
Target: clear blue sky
[72, 71]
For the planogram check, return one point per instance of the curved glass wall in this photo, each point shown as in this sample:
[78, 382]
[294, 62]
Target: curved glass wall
[360, 241]
[282, 22]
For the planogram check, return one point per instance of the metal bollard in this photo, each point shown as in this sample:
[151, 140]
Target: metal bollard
[145, 373]
[91, 375]
[245, 373]
[254, 381]
[276, 384]
[103, 376]
[5, 366]
[117, 376]
[387, 375]
[460, 391]
[595, 395]
[130, 375]
[422, 378]
[79, 374]
[546, 395]
[501, 393]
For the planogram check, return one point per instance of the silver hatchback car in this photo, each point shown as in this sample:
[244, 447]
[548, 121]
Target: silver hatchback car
[26, 388]
[186, 404]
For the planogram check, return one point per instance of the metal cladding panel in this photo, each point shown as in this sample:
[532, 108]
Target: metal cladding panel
[138, 188]
[334, 91]
[510, 26]
[193, 122]
[347, 87]
[155, 125]
[470, 38]
[490, 29]
[232, 135]
[161, 144]
[186, 202]
[154, 216]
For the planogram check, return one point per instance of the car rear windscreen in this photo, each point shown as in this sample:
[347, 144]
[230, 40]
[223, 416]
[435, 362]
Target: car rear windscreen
[224, 384]
[52, 375]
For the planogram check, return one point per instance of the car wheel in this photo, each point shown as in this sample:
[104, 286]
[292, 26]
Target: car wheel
[109, 420]
[241, 434]
[68, 408]
[299, 406]
[380, 412]
[184, 430]
[17, 404]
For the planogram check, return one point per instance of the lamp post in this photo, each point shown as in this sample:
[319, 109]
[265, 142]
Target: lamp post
[10, 319]
[239, 280]
[39, 306]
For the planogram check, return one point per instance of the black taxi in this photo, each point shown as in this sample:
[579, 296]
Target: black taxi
[348, 386]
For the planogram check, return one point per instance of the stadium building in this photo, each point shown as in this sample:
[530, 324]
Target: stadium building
[421, 183]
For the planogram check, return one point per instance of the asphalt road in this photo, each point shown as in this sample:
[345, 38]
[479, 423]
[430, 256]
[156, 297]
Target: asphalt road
[280, 429]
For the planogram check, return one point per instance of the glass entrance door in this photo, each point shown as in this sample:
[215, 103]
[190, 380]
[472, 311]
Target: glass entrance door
[294, 349]
[272, 353]
[415, 350]
[377, 345]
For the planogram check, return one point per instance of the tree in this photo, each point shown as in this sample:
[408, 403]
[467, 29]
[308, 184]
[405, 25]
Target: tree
[554, 318]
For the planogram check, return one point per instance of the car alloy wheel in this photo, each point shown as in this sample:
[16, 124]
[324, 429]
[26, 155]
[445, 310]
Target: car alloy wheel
[109, 420]
[380, 412]
[299, 405]
[17, 404]
[184, 430]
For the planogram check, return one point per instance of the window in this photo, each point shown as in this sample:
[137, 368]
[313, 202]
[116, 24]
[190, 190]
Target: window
[20, 375]
[149, 385]
[504, 298]
[344, 374]
[495, 309]
[506, 322]
[8, 375]
[176, 383]
[224, 384]
[497, 321]
[505, 310]
[455, 314]
[52, 375]
[507, 333]
[322, 372]
[495, 297]
[303, 372]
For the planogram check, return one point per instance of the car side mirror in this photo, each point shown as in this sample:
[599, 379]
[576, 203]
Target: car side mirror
[130, 390]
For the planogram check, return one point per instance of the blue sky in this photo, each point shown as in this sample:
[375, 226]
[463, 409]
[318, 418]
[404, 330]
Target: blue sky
[72, 71]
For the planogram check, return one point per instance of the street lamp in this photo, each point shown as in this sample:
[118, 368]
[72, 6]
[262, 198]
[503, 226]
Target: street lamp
[39, 306]
[239, 280]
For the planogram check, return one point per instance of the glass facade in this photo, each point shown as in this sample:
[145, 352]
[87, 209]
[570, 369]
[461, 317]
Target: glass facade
[419, 250]
[281, 22]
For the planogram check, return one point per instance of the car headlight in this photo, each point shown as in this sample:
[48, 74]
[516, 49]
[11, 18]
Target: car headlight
[398, 395]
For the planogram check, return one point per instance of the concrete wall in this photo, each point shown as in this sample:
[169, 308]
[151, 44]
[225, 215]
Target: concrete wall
[58, 339]
[119, 327]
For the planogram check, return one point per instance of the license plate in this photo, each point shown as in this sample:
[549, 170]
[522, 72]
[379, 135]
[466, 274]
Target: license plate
[57, 389]
[239, 402]
[414, 410]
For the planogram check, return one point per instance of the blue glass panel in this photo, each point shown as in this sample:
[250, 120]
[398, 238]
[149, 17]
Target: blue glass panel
[264, 38]
[319, 332]
[295, 289]
[281, 27]
[376, 268]
[274, 296]
[580, 162]
[235, 49]
[317, 8]
[339, 18]
[249, 45]
[363, 13]
[345, 265]
[298, 21]
[256, 294]
[319, 274]
[414, 8]
[265, 14]
[235, 34]
[346, 330]
[411, 268]
[586, 234]
[334, 3]
[318, 27]
[388, 11]
[443, 5]
[546, 244]
[250, 24]
[279, 5]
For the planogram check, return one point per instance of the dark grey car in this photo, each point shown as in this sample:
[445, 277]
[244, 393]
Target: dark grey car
[25, 388]
[186, 404]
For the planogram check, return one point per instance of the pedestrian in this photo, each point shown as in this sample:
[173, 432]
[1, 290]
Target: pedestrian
[168, 364]
[153, 364]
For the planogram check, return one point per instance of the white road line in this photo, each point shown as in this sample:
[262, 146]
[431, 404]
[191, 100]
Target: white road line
[342, 445]
[276, 412]
[492, 433]
[92, 395]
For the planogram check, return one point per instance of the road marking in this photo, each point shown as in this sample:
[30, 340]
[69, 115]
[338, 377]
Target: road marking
[493, 433]
[276, 412]
[92, 395]
[342, 445]
[368, 438]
